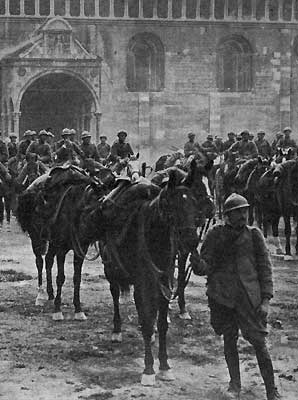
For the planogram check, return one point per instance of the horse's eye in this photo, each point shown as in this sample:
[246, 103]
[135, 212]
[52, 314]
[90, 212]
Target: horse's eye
[184, 196]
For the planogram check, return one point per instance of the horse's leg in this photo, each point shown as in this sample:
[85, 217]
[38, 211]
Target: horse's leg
[40, 299]
[147, 311]
[1, 211]
[251, 210]
[49, 259]
[115, 292]
[7, 203]
[60, 279]
[287, 220]
[182, 257]
[77, 277]
[276, 239]
[162, 325]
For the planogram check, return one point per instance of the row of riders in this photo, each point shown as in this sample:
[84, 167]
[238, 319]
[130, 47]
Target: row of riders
[141, 227]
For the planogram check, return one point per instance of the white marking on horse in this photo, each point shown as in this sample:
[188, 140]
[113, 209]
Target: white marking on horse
[205, 181]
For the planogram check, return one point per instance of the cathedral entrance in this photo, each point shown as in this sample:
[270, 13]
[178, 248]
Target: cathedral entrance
[56, 101]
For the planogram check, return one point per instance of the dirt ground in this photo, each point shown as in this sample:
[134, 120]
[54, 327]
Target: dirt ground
[75, 360]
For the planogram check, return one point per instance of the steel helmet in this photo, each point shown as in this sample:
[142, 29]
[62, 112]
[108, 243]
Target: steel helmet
[233, 202]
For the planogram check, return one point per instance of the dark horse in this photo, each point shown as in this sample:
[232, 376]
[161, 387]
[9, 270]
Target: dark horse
[64, 224]
[5, 185]
[141, 244]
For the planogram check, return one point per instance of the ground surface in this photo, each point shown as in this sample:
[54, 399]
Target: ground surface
[70, 360]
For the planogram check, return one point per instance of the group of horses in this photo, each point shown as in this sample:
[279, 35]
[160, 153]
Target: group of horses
[140, 228]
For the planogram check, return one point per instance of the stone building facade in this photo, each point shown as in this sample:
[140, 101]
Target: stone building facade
[156, 68]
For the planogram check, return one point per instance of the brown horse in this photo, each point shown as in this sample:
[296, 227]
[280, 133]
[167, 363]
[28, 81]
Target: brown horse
[141, 244]
[57, 219]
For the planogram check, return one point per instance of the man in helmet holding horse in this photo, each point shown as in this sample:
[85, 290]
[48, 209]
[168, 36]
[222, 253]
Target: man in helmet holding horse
[239, 287]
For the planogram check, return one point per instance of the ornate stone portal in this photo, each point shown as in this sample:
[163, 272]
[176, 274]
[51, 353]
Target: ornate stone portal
[50, 70]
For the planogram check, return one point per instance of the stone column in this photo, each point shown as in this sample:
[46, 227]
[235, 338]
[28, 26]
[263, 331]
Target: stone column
[240, 8]
[67, 8]
[126, 15]
[82, 9]
[16, 117]
[96, 8]
[280, 10]
[141, 10]
[285, 78]
[7, 12]
[253, 9]
[52, 8]
[183, 10]
[198, 10]
[97, 125]
[155, 9]
[22, 8]
[170, 9]
[212, 9]
[112, 11]
[37, 12]
[267, 10]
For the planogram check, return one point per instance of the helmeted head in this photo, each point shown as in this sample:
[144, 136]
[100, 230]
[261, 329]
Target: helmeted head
[33, 135]
[122, 135]
[261, 134]
[191, 135]
[13, 137]
[66, 133]
[86, 136]
[103, 138]
[244, 134]
[209, 137]
[231, 135]
[287, 131]
[27, 134]
[235, 210]
[43, 134]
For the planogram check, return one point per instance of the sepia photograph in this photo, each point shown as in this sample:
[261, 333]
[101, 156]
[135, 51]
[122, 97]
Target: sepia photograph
[149, 199]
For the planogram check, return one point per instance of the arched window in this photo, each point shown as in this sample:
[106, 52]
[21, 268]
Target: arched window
[145, 63]
[273, 10]
[219, 9]
[29, 7]
[205, 9]
[287, 10]
[246, 9]
[59, 7]
[14, 7]
[234, 65]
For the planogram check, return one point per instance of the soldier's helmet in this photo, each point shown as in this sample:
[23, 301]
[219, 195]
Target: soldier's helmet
[233, 202]
[85, 135]
[190, 135]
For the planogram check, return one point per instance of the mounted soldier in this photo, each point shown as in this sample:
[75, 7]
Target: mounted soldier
[3, 151]
[41, 148]
[12, 146]
[67, 150]
[191, 147]
[103, 149]
[25, 143]
[286, 141]
[121, 149]
[209, 148]
[278, 136]
[231, 140]
[244, 149]
[88, 149]
[263, 145]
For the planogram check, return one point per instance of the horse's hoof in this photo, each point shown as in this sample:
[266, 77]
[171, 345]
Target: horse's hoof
[148, 380]
[288, 257]
[80, 316]
[153, 338]
[41, 297]
[168, 319]
[58, 316]
[166, 375]
[116, 337]
[185, 315]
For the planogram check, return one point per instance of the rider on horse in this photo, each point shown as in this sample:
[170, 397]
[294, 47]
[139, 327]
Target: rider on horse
[244, 149]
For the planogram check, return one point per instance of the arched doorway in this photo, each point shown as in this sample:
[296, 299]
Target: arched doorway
[57, 100]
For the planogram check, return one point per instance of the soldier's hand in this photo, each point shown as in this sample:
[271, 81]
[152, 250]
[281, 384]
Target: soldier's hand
[263, 310]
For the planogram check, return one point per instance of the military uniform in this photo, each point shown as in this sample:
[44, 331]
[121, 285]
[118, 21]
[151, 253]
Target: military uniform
[68, 152]
[191, 148]
[264, 148]
[90, 151]
[121, 150]
[210, 149]
[3, 152]
[103, 150]
[23, 146]
[245, 149]
[228, 143]
[285, 143]
[43, 150]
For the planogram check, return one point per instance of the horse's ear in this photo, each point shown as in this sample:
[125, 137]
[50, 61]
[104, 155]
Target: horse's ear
[173, 180]
[137, 156]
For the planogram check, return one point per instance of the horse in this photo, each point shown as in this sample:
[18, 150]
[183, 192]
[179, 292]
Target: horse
[141, 244]
[55, 217]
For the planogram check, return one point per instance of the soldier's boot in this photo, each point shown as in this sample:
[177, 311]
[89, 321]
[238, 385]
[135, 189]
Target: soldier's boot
[266, 369]
[232, 360]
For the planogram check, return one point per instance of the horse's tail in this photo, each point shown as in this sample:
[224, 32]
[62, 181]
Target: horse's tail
[25, 210]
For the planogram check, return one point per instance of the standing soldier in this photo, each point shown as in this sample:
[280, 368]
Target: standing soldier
[239, 287]
[121, 150]
[12, 146]
[25, 143]
[88, 149]
[263, 146]
[245, 148]
[231, 140]
[103, 149]
[41, 148]
[3, 151]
